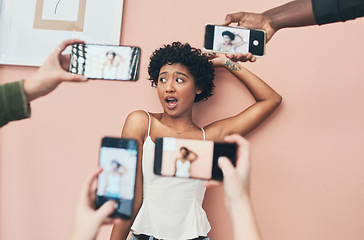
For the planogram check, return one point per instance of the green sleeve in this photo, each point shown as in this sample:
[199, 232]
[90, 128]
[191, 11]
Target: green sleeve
[13, 103]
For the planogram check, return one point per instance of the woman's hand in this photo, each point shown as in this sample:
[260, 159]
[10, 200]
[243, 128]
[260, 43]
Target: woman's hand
[241, 57]
[218, 60]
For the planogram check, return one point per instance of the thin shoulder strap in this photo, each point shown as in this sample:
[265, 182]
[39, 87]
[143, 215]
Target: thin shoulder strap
[149, 122]
[203, 134]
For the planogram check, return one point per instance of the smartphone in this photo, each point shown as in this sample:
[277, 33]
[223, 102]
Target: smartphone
[190, 158]
[226, 39]
[109, 62]
[118, 158]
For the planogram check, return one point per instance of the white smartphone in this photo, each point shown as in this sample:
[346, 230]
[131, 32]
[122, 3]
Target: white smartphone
[109, 62]
[227, 39]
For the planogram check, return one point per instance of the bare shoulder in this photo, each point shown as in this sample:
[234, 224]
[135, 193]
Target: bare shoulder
[138, 115]
[136, 124]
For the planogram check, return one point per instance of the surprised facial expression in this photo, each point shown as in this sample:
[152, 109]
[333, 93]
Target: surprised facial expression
[176, 88]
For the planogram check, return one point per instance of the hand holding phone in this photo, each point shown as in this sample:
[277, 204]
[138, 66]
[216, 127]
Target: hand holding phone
[226, 39]
[190, 158]
[118, 158]
[88, 221]
[109, 62]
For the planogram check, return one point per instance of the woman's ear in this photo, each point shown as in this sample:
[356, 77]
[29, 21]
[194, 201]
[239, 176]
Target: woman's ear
[198, 91]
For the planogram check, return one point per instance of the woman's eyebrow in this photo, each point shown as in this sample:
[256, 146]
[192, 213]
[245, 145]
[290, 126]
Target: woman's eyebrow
[176, 72]
[183, 74]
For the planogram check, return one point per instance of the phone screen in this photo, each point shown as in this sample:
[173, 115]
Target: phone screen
[226, 39]
[189, 158]
[108, 62]
[118, 158]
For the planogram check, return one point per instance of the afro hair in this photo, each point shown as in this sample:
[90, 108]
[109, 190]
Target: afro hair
[196, 62]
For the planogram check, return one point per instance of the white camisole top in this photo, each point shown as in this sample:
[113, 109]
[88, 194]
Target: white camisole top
[182, 168]
[172, 207]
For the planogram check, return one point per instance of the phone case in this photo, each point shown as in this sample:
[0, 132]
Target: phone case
[227, 39]
[190, 158]
[118, 158]
[107, 62]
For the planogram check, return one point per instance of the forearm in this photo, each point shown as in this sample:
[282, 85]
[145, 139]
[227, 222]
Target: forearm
[293, 14]
[243, 219]
[257, 87]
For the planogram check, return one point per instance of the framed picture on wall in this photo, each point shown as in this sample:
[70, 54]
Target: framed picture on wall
[31, 29]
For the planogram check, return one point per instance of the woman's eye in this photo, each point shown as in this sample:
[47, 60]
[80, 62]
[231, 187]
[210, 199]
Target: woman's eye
[162, 80]
[179, 80]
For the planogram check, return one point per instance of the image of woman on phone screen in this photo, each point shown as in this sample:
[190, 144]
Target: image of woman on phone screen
[183, 163]
[110, 66]
[230, 42]
[170, 207]
[113, 179]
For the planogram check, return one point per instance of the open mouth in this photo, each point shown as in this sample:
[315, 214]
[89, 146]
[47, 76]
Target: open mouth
[171, 102]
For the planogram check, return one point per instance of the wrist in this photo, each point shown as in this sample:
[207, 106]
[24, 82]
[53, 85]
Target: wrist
[271, 25]
[28, 90]
[232, 66]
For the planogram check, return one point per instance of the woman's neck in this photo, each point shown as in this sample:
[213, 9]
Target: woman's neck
[178, 124]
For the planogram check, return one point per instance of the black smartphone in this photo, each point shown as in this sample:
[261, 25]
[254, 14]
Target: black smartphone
[109, 62]
[226, 39]
[190, 158]
[118, 158]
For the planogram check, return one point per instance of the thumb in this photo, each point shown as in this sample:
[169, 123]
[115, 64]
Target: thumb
[105, 210]
[227, 21]
[226, 166]
[71, 77]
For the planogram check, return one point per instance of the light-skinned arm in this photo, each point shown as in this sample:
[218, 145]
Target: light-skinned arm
[88, 220]
[236, 186]
[53, 72]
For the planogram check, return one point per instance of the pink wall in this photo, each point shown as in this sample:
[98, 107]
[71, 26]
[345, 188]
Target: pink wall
[307, 158]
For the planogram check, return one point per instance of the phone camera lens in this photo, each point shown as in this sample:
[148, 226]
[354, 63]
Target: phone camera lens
[255, 42]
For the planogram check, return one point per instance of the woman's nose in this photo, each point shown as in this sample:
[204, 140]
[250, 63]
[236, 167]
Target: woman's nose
[170, 87]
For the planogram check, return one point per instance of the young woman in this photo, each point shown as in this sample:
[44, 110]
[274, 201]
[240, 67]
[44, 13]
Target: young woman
[230, 44]
[183, 163]
[110, 66]
[170, 208]
[113, 179]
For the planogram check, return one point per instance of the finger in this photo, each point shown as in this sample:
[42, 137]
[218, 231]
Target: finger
[210, 55]
[253, 59]
[105, 210]
[233, 18]
[230, 56]
[243, 145]
[243, 162]
[71, 77]
[240, 57]
[228, 20]
[238, 139]
[248, 56]
[88, 182]
[226, 166]
[66, 43]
